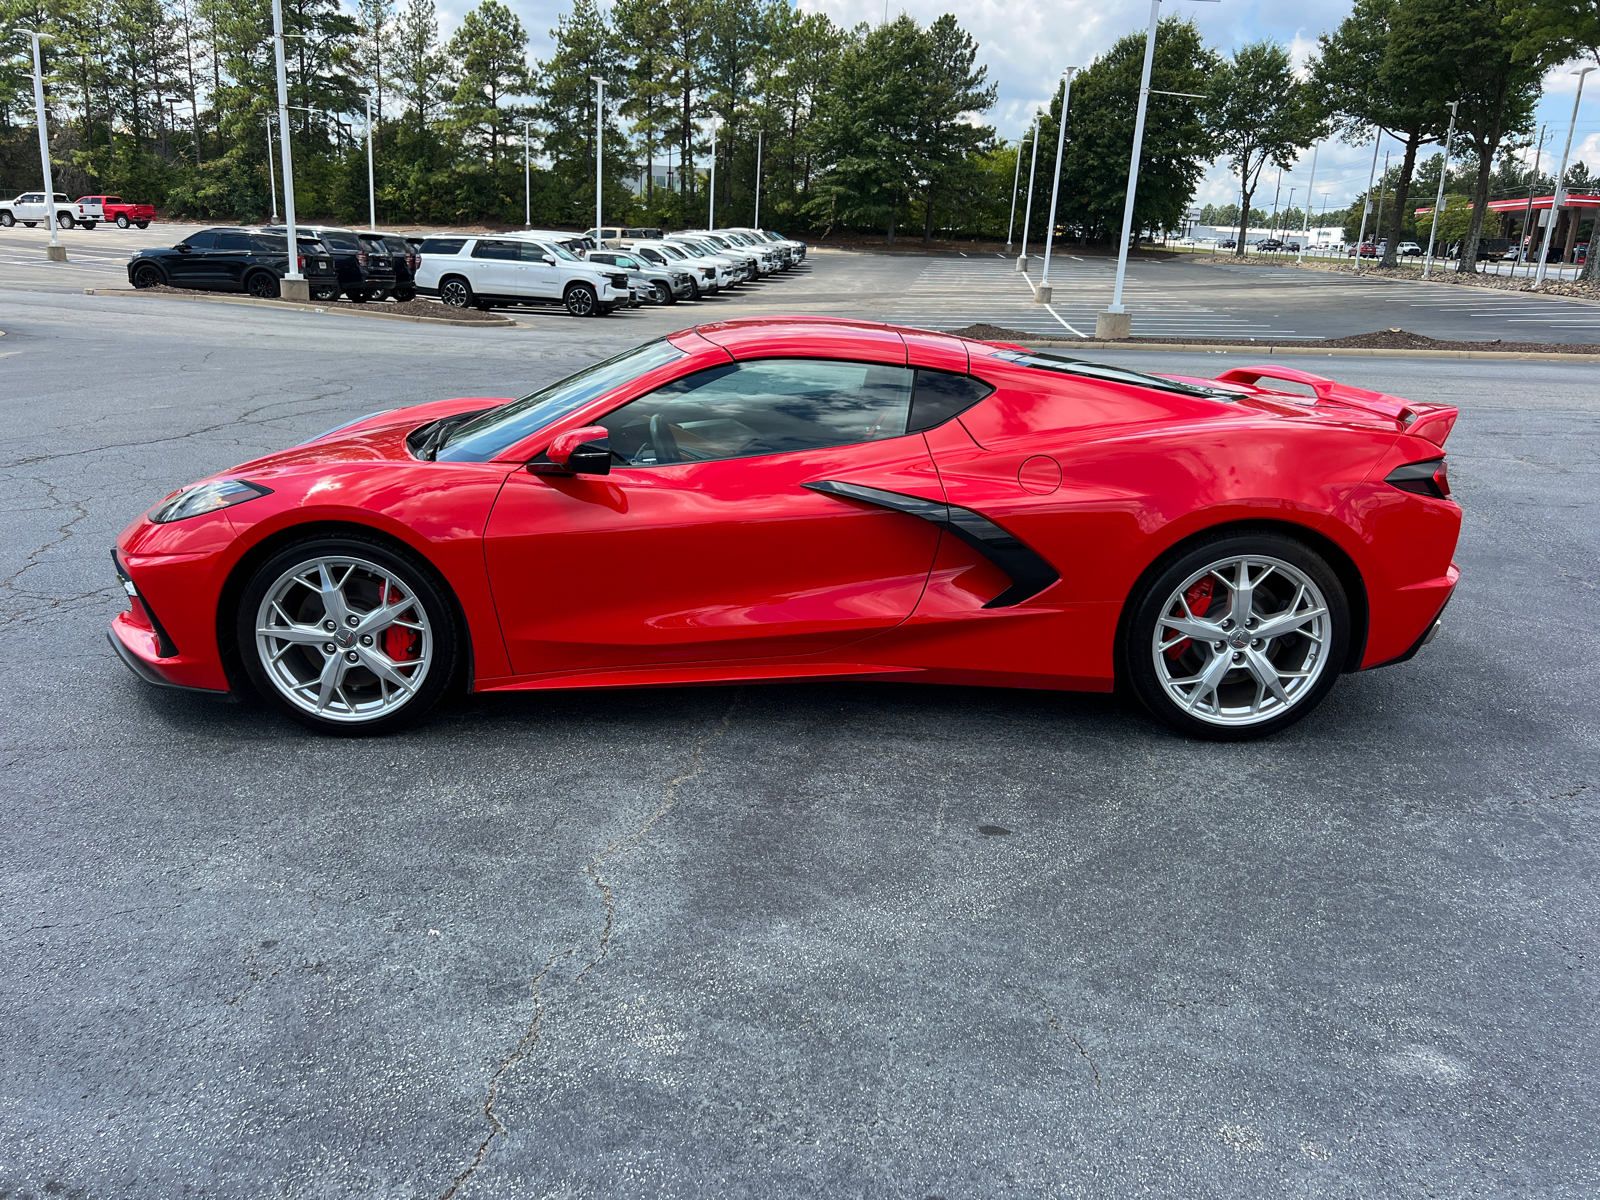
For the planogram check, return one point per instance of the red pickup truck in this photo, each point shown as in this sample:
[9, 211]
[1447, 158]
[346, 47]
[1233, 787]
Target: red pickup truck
[91, 210]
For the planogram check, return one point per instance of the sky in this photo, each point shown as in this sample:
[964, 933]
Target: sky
[1026, 46]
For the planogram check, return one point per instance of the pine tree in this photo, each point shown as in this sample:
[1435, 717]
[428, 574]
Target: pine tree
[489, 53]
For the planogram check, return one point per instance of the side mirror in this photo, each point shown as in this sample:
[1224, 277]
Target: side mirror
[583, 451]
[183, 247]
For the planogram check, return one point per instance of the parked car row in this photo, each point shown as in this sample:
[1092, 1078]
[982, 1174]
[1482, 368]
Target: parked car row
[86, 212]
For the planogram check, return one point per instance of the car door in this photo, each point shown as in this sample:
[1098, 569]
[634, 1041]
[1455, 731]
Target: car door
[706, 541]
[191, 267]
[223, 268]
[539, 277]
[30, 206]
[497, 267]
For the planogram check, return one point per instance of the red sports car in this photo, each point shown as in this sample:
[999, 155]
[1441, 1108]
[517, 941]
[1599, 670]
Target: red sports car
[802, 498]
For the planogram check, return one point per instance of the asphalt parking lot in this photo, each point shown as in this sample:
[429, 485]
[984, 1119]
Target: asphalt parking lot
[822, 940]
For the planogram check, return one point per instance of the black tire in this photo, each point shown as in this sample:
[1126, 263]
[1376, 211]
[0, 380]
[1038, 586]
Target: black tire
[664, 293]
[694, 289]
[148, 275]
[64, 221]
[581, 300]
[378, 296]
[357, 295]
[404, 295]
[325, 294]
[456, 292]
[7, 220]
[263, 285]
[122, 221]
[406, 569]
[30, 224]
[144, 224]
[1157, 596]
[87, 224]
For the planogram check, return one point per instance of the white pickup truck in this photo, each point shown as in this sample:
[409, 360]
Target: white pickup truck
[29, 208]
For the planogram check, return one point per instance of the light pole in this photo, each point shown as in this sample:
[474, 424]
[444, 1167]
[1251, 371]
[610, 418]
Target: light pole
[272, 175]
[1016, 178]
[1366, 210]
[1527, 217]
[55, 251]
[1438, 203]
[758, 179]
[1310, 194]
[527, 177]
[1027, 213]
[294, 285]
[711, 196]
[372, 191]
[1115, 323]
[1041, 294]
[599, 130]
[1549, 230]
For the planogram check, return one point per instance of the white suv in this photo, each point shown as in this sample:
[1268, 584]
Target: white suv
[514, 268]
[708, 275]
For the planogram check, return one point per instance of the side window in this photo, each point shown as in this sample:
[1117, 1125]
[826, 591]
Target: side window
[770, 406]
[338, 239]
[941, 395]
[500, 250]
[610, 259]
[442, 245]
[206, 239]
[234, 241]
[535, 253]
[654, 256]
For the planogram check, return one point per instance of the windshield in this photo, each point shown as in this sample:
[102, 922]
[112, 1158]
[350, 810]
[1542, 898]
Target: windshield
[669, 252]
[481, 439]
[1089, 370]
[561, 251]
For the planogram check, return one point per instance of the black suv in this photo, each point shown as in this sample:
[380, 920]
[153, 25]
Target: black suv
[363, 274]
[229, 259]
[404, 257]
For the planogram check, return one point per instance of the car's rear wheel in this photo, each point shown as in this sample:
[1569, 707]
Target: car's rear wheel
[325, 293]
[65, 221]
[456, 292]
[263, 285]
[348, 636]
[357, 295]
[1237, 637]
[581, 300]
[148, 275]
[404, 295]
[122, 221]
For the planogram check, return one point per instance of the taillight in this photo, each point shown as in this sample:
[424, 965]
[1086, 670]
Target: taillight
[361, 258]
[412, 260]
[1426, 478]
[300, 263]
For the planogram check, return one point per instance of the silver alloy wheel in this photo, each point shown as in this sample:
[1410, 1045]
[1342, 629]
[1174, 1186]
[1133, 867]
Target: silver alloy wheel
[344, 639]
[581, 302]
[1255, 647]
[455, 293]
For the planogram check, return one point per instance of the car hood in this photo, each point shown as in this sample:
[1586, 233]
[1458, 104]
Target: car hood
[378, 438]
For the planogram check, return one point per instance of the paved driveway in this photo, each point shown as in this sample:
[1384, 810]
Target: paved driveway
[824, 940]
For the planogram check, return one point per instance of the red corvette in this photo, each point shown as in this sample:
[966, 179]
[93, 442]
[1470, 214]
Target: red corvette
[803, 498]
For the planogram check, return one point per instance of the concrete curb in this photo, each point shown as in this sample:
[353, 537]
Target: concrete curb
[292, 306]
[1267, 350]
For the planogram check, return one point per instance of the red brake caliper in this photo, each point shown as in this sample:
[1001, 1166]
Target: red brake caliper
[1198, 598]
[399, 643]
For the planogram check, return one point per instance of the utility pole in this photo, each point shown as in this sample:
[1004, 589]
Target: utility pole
[527, 178]
[711, 200]
[1027, 215]
[1366, 209]
[1438, 203]
[293, 285]
[55, 251]
[1016, 178]
[1041, 294]
[1527, 217]
[1555, 200]
[758, 179]
[1310, 201]
[272, 177]
[599, 129]
[372, 192]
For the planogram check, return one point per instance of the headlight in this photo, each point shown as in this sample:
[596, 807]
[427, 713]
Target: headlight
[206, 498]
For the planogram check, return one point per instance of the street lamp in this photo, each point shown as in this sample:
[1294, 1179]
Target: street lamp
[372, 191]
[1016, 178]
[55, 251]
[1310, 200]
[294, 285]
[1527, 217]
[711, 200]
[1438, 203]
[1041, 294]
[272, 175]
[1114, 323]
[1366, 210]
[758, 178]
[527, 176]
[1549, 230]
[1027, 213]
[599, 131]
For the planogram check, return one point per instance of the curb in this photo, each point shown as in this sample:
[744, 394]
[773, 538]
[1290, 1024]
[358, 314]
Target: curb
[1267, 349]
[295, 306]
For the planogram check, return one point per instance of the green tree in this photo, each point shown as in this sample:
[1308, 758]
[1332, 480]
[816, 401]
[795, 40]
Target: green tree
[489, 55]
[957, 89]
[1260, 113]
[585, 49]
[416, 64]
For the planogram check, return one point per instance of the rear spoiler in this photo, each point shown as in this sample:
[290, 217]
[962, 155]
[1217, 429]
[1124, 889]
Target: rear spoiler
[1432, 422]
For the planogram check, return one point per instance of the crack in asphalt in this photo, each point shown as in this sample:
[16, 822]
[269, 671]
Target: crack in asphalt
[11, 584]
[1050, 1016]
[530, 1039]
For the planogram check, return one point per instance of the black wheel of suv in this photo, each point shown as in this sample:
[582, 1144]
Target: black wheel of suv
[380, 295]
[348, 635]
[456, 292]
[122, 221]
[1236, 636]
[581, 300]
[325, 294]
[263, 285]
[148, 275]
[404, 295]
[357, 295]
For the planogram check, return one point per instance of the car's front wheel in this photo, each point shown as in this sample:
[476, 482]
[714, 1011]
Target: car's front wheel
[148, 275]
[581, 300]
[347, 635]
[1237, 637]
[7, 220]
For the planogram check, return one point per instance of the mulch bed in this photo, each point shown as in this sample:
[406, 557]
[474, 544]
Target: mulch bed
[410, 308]
[1382, 339]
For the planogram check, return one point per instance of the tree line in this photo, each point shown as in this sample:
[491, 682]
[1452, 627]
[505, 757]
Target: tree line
[869, 128]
